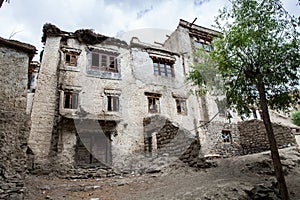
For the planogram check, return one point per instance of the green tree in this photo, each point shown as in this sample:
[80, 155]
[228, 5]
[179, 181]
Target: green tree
[296, 117]
[258, 58]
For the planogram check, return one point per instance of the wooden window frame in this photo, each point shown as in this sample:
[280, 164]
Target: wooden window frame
[206, 45]
[153, 101]
[181, 106]
[160, 67]
[70, 100]
[113, 103]
[150, 97]
[71, 59]
[108, 64]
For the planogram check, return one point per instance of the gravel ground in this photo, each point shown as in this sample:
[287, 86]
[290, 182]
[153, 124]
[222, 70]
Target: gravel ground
[245, 177]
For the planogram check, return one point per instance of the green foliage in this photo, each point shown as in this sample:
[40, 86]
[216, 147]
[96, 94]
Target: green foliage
[204, 74]
[296, 117]
[259, 45]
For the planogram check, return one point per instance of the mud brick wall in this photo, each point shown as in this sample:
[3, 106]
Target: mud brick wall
[14, 123]
[254, 139]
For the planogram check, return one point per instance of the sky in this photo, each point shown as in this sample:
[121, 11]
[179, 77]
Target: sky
[23, 20]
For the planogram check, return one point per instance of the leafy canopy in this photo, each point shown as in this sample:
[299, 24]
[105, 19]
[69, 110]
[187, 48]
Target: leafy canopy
[204, 73]
[259, 44]
[296, 117]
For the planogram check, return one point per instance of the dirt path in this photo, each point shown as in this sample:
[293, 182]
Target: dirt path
[229, 180]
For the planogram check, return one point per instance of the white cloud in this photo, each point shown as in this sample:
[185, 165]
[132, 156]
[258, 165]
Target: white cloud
[107, 17]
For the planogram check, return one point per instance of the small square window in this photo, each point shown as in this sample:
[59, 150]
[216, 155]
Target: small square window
[112, 103]
[71, 59]
[226, 136]
[153, 104]
[70, 100]
[181, 106]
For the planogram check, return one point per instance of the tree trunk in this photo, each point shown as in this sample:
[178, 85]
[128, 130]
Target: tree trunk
[273, 146]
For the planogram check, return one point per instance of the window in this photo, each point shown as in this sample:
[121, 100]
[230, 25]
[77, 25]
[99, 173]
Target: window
[163, 67]
[226, 136]
[181, 106]
[153, 102]
[104, 62]
[200, 43]
[112, 103]
[70, 100]
[71, 59]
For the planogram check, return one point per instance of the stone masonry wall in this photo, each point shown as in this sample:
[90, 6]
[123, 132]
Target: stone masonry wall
[213, 142]
[254, 139]
[14, 123]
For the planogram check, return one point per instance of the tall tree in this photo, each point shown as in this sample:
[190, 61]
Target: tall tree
[258, 57]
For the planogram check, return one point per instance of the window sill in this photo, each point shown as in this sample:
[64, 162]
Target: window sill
[72, 68]
[104, 74]
[68, 111]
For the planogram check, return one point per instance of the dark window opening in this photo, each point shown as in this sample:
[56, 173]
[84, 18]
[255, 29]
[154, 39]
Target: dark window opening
[226, 136]
[112, 103]
[70, 100]
[95, 60]
[181, 106]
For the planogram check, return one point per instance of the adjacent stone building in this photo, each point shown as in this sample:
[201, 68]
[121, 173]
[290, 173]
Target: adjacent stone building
[15, 57]
[100, 101]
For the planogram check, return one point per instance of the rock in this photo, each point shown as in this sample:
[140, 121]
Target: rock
[264, 192]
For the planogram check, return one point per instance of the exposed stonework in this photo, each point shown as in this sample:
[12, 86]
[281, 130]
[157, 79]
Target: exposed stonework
[169, 139]
[215, 143]
[87, 89]
[96, 94]
[253, 137]
[14, 122]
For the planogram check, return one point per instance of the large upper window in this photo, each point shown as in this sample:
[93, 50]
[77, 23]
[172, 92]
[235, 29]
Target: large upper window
[104, 61]
[201, 43]
[163, 67]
